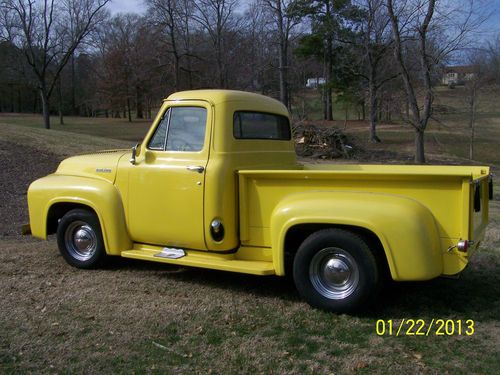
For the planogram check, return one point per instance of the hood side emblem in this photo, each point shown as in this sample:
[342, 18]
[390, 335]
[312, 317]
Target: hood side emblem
[103, 170]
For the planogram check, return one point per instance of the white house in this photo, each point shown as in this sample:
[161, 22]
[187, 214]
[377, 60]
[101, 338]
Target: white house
[313, 83]
[457, 75]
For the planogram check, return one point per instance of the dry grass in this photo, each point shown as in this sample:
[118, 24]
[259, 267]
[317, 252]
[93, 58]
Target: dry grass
[59, 142]
[138, 317]
[113, 128]
[135, 317]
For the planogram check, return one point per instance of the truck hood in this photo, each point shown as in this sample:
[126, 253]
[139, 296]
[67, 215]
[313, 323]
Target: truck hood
[101, 164]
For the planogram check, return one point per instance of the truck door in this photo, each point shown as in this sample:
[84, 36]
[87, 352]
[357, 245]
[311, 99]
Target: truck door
[166, 184]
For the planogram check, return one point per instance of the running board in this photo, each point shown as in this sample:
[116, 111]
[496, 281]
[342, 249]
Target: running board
[222, 262]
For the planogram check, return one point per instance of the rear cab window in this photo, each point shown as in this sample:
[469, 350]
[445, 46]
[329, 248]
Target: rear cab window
[260, 125]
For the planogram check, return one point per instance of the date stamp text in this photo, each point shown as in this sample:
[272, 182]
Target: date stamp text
[421, 327]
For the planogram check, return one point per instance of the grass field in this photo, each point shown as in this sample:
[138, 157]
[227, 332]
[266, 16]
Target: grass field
[137, 317]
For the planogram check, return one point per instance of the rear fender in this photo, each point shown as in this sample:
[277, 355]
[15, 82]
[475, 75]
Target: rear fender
[99, 195]
[406, 229]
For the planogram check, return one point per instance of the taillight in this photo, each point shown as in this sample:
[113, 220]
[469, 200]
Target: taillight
[463, 245]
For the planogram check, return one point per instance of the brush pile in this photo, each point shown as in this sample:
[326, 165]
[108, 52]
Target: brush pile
[322, 142]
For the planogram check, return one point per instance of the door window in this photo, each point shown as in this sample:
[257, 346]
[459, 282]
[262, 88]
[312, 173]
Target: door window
[158, 139]
[186, 130]
[181, 129]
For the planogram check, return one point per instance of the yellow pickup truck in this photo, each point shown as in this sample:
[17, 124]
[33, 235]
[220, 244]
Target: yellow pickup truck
[216, 184]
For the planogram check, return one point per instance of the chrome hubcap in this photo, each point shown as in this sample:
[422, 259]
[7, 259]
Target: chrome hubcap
[334, 273]
[80, 240]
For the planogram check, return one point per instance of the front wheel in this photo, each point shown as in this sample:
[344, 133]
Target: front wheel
[335, 270]
[79, 239]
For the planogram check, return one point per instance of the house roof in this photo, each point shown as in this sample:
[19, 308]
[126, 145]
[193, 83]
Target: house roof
[460, 69]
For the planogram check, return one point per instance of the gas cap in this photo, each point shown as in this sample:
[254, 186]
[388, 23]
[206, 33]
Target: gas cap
[217, 230]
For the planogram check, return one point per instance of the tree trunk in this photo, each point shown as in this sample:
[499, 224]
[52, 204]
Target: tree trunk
[218, 57]
[283, 63]
[19, 102]
[283, 75]
[11, 92]
[346, 113]
[176, 72]
[329, 91]
[188, 51]
[129, 111]
[60, 104]
[329, 70]
[139, 103]
[373, 113]
[472, 120]
[177, 64]
[407, 109]
[45, 107]
[73, 82]
[35, 101]
[419, 147]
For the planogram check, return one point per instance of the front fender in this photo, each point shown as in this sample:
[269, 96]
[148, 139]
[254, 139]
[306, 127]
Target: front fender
[406, 228]
[100, 195]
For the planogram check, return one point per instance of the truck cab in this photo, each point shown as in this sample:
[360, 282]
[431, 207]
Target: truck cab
[187, 166]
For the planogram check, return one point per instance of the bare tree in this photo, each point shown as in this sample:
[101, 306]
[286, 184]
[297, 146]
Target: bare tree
[185, 29]
[494, 60]
[7, 24]
[216, 17]
[49, 32]
[419, 117]
[285, 19]
[479, 82]
[256, 45]
[422, 23]
[376, 67]
[168, 15]
[128, 48]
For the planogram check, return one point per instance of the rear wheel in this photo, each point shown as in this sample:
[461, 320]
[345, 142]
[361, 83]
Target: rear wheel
[79, 239]
[335, 270]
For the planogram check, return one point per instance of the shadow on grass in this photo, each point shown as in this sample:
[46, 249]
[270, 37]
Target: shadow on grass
[476, 294]
[273, 286]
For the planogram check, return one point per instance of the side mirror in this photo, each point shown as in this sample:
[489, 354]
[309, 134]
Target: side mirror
[135, 150]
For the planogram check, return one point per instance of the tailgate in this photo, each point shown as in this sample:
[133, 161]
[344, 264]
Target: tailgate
[481, 192]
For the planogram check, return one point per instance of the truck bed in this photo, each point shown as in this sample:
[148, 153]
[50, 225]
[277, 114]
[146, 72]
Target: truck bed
[447, 192]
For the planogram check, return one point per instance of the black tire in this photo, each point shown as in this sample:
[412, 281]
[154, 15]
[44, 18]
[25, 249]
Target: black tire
[79, 238]
[335, 270]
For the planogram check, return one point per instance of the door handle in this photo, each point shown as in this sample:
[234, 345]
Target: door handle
[196, 168]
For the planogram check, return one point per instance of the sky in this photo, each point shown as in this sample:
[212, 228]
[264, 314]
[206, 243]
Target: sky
[127, 6]
[491, 27]
[135, 6]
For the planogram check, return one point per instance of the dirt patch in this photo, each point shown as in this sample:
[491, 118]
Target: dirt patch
[25, 164]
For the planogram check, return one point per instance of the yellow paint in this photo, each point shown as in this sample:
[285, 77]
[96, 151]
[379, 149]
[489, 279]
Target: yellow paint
[97, 194]
[259, 191]
[222, 262]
